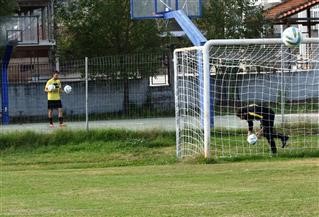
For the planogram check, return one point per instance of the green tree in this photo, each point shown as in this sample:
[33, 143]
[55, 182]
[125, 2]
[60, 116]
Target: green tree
[224, 19]
[7, 7]
[104, 27]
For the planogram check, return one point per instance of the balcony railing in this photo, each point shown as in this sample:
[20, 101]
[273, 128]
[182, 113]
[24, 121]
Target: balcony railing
[27, 30]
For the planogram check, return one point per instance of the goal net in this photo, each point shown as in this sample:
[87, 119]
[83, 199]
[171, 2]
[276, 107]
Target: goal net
[212, 82]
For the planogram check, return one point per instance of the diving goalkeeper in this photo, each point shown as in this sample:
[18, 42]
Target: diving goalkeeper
[266, 116]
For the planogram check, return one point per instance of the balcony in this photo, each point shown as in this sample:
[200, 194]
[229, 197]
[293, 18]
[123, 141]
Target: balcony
[26, 30]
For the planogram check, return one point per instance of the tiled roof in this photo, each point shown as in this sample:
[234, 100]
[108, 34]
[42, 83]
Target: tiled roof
[288, 8]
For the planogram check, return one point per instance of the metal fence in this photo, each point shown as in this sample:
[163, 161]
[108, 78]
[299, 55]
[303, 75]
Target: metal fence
[122, 86]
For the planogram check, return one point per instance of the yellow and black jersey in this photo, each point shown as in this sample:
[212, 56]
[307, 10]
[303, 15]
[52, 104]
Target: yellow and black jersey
[55, 94]
[255, 112]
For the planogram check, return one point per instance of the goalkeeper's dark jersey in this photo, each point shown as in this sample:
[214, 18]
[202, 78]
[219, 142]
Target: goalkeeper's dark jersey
[266, 116]
[254, 112]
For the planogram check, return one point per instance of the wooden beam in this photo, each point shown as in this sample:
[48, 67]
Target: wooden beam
[304, 21]
[308, 22]
[284, 22]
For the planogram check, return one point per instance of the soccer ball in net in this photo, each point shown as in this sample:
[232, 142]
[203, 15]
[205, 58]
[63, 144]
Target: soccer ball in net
[67, 89]
[291, 37]
[252, 139]
[51, 87]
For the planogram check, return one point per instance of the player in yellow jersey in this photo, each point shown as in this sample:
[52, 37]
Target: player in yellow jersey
[54, 98]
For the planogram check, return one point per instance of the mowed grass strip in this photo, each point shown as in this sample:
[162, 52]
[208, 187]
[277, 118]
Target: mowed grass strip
[266, 188]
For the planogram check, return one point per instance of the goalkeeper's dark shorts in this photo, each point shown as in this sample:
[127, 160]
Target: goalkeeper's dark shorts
[54, 104]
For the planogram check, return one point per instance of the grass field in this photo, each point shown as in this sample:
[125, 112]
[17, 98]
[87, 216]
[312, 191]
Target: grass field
[125, 173]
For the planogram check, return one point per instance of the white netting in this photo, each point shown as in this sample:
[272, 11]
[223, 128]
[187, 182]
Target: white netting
[188, 91]
[244, 72]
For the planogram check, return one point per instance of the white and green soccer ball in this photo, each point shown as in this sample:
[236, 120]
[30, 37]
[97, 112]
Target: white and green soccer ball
[51, 87]
[252, 139]
[67, 89]
[291, 37]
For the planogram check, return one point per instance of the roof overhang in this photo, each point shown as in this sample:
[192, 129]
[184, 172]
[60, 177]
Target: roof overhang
[283, 11]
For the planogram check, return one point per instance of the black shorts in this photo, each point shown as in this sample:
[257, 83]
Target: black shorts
[54, 104]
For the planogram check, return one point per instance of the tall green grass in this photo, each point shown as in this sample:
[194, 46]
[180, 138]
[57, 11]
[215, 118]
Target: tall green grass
[116, 147]
[32, 140]
[96, 148]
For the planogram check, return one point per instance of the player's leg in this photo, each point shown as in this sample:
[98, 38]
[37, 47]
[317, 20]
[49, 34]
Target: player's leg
[280, 136]
[60, 110]
[274, 133]
[50, 112]
[50, 116]
[60, 113]
[267, 132]
[268, 124]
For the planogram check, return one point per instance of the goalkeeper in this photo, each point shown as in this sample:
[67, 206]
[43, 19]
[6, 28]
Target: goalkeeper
[54, 98]
[266, 116]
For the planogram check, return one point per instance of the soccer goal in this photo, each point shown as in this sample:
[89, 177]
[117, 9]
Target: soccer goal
[213, 81]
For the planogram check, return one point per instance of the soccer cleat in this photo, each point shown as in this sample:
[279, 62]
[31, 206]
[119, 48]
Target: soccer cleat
[51, 126]
[284, 141]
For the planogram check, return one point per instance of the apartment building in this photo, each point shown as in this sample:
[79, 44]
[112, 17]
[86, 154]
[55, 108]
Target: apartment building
[32, 27]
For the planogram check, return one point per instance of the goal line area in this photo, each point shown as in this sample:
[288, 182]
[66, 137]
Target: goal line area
[214, 81]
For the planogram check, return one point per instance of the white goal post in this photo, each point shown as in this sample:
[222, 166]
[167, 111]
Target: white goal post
[213, 81]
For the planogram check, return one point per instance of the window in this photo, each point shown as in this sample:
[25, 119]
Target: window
[159, 80]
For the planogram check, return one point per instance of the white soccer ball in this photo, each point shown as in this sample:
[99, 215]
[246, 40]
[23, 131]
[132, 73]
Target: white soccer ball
[51, 87]
[67, 89]
[252, 139]
[291, 37]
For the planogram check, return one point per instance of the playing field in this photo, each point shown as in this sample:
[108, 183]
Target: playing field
[125, 173]
[276, 188]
